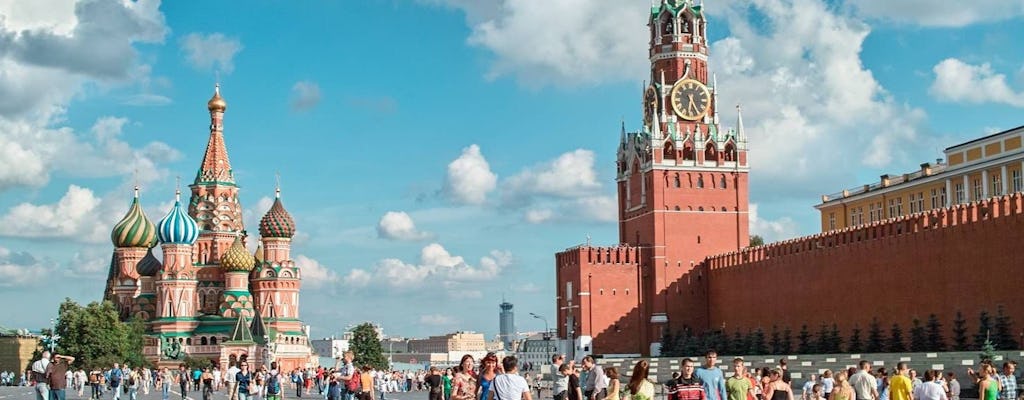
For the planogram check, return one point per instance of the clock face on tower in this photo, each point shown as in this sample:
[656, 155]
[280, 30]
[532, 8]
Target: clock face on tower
[650, 104]
[690, 99]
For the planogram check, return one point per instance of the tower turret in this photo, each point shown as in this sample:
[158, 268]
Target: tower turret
[236, 263]
[132, 237]
[277, 280]
[176, 285]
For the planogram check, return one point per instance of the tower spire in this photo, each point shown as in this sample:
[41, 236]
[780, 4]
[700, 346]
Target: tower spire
[714, 83]
[216, 166]
[740, 134]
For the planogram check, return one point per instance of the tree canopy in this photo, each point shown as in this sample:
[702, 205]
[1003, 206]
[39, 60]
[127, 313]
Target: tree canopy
[367, 348]
[96, 337]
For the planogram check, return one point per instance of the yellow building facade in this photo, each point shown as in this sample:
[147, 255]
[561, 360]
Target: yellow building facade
[979, 169]
[16, 351]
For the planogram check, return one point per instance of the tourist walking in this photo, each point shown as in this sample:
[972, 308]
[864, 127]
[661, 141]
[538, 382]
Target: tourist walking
[230, 380]
[639, 387]
[559, 381]
[931, 388]
[435, 384]
[164, 379]
[738, 386]
[207, 380]
[488, 370]
[243, 379]
[56, 373]
[446, 379]
[712, 377]
[509, 385]
[596, 384]
[900, 385]
[808, 388]
[686, 385]
[42, 389]
[613, 384]
[273, 383]
[953, 386]
[865, 386]
[828, 383]
[842, 389]
[465, 381]
[777, 388]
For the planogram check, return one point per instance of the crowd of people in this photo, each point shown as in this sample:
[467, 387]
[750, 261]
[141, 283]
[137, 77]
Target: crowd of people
[494, 379]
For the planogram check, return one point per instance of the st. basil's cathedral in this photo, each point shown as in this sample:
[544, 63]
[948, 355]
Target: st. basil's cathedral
[209, 298]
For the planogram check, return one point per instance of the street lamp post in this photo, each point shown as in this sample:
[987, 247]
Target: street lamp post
[53, 334]
[547, 347]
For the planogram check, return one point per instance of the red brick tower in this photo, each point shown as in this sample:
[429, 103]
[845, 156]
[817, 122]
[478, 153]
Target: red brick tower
[682, 190]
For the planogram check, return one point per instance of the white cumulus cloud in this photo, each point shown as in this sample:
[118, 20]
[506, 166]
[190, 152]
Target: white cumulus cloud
[314, 274]
[305, 95]
[958, 81]
[19, 269]
[71, 216]
[771, 230]
[436, 267]
[212, 51]
[469, 177]
[929, 13]
[570, 175]
[438, 320]
[559, 42]
[398, 225]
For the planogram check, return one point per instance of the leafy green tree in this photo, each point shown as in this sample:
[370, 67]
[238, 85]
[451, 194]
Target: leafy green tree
[757, 345]
[775, 343]
[984, 329]
[875, 341]
[836, 339]
[756, 240]
[366, 346]
[1003, 330]
[988, 350]
[96, 337]
[804, 344]
[918, 337]
[935, 339]
[895, 343]
[959, 332]
[855, 344]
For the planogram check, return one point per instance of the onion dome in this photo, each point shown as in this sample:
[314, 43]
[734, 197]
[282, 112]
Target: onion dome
[217, 103]
[177, 227]
[277, 223]
[237, 258]
[149, 265]
[135, 229]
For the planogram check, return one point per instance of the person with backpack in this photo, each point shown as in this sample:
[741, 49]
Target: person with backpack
[273, 383]
[348, 376]
[116, 375]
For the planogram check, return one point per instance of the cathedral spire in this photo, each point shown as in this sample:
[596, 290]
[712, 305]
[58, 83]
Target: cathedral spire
[216, 167]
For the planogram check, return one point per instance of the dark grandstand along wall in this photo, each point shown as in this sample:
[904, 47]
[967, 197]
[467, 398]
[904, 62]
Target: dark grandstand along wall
[965, 258]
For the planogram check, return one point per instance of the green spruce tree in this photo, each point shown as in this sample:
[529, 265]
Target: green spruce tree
[918, 337]
[875, 342]
[823, 341]
[984, 329]
[836, 339]
[935, 340]
[668, 343]
[787, 342]
[757, 345]
[775, 343]
[367, 348]
[959, 332]
[855, 343]
[1003, 330]
[804, 344]
[895, 343]
[740, 345]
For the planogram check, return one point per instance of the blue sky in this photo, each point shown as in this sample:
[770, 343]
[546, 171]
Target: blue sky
[436, 153]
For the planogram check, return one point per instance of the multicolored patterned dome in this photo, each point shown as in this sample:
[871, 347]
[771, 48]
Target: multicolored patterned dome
[178, 227]
[148, 265]
[135, 229]
[277, 223]
[237, 258]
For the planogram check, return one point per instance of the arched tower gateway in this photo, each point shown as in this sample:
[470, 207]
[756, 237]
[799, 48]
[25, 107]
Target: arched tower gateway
[208, 297]
[682, 196]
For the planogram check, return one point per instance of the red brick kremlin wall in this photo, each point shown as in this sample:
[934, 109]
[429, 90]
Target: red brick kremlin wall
[967, 258]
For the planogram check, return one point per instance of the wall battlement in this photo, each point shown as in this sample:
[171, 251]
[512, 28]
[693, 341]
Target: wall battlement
[991, 211]
[611, 255]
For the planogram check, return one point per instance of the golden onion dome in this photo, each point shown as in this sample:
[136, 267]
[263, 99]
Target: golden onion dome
[236, 258]
[217, 103]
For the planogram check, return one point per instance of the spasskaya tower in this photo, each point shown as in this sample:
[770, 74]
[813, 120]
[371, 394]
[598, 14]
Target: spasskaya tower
[682, 196]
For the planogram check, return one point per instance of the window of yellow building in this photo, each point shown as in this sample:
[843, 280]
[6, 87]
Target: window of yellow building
[916, 202]
[997, 185]
[1016, 180]
[896, 207]
[978, 189]
[831, 221]
[959, 190]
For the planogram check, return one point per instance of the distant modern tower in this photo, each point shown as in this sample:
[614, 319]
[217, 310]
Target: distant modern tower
[506, 324]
